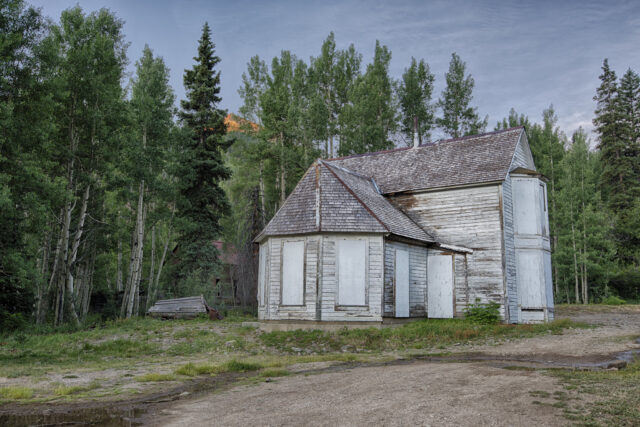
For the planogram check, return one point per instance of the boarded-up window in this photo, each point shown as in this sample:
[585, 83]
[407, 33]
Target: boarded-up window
[524, 202]
[352, 258]
[293, 273]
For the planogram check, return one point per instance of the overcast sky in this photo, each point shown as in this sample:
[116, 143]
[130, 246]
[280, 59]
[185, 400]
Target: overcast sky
[525, 55]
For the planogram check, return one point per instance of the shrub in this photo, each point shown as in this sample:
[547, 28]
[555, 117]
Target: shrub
[613, 300]
[626, 283]
[485, 314]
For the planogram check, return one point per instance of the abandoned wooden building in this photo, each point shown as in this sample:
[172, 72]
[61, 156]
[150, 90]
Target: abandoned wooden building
[423, 231]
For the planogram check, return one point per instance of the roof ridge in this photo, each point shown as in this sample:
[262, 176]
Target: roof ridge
[427, 144]
[349, 171]
[353, 193]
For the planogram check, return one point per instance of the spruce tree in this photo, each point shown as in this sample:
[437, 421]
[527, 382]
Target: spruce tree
[203, 201]
[616, 125]
[458, 117]
[626, 203]
[414, 96]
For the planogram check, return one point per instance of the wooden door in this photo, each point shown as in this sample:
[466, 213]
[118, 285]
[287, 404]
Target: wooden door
[402, 283]
[440, 286]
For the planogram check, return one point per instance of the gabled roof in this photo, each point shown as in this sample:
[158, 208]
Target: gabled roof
[332, 199]
[460, 161]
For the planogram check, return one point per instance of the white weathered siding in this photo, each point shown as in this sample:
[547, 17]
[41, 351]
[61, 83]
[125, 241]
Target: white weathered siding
[331, 310]
[321, 280]
[417, 278]
[521, 158]
[532, 248]
[469, 217]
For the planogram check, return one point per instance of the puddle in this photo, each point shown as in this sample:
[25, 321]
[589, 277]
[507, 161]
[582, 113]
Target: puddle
[616, 360]
[125, 413]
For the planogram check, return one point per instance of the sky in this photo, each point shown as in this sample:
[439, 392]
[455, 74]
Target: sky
[521, 54]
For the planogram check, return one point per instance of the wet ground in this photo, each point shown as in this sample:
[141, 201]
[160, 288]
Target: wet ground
[479, 381]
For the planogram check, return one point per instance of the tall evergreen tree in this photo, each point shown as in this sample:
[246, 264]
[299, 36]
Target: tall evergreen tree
[414, 96]
[203, 201]
[458, 117]
[627, 205]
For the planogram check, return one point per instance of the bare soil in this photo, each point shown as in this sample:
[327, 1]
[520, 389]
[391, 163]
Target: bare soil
[421, 392]
[469, 386]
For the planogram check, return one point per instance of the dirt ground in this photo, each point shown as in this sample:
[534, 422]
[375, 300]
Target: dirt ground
[420, 392]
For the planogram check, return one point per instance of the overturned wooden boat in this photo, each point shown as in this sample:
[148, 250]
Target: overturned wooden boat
[183, 308]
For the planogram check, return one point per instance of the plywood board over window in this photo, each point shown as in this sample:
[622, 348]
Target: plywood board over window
[352, 272]
[293, 273]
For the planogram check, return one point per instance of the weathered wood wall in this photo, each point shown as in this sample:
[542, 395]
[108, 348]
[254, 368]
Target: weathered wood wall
[469, 217]
[521, 158]
[321, 280]
[417, 278]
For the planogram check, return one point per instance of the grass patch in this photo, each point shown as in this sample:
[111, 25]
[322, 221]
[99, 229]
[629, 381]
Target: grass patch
[240, 366]
[16, 393]
[155, 377]
[617, 395]
[428, 333]
[273, 373]
[192, 370]
[64, 390]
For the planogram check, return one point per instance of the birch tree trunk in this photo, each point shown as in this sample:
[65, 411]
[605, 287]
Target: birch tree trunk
[585, 282]
[135, 263]
[262, 202]
[119, 264]
[283, 174]
[70, 265]
[575, 259]
[153, 264]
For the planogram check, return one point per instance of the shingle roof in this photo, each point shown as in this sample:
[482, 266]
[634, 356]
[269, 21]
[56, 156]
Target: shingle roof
[345, 202]
[365, 189]
[460, 161]
[346, 194]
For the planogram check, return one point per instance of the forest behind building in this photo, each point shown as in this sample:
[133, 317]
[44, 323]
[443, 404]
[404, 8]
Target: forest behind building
[113, 193]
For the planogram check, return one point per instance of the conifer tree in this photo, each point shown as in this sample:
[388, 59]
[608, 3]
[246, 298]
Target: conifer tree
[414, 96]
[628, 203]
[203, 202]
[458, 117]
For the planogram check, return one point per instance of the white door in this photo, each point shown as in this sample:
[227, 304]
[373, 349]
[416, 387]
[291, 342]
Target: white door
[440, 286]
[402, 283]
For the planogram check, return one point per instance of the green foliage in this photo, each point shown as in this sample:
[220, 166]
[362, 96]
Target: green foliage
[202, 202]
[414, 95]
[371, 117]
[483, 313]
[421, 334]
[16, 393]
[458, 117]
[626, 283]
[617, 124]
[26, 190]
[613, 300]
[155, 377]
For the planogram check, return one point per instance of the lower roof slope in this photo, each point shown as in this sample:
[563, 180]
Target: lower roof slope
[329, 198]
